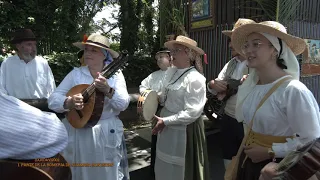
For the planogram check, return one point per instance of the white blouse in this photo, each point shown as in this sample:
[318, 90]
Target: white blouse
[290, 110]
[153, 81]
[186, 97]
[112, 107]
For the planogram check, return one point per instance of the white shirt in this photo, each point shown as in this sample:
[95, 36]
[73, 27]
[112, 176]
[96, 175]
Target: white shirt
[32, 80]
[112, 107]
[237, 74]
[291, 109]
[153, 81]
[28, 133]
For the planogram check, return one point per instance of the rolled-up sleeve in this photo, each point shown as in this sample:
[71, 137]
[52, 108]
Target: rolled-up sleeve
[195, 99]
[28, 133]
[120, 99]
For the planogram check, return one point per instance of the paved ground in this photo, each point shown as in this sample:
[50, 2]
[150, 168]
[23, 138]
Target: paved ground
[138, 145]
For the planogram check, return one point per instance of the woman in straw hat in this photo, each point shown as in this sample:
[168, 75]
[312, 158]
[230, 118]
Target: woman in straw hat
[103, 143]
[181, 145]
[290, 115]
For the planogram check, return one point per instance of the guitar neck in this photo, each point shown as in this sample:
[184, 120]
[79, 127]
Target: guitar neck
[107, 72]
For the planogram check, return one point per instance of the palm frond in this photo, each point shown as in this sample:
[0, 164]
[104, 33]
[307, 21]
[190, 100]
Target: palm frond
[283, 11]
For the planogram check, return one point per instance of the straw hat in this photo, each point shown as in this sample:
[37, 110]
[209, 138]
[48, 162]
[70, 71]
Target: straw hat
[240, 22]
[239, 36]
[98, 41]
[185, 41]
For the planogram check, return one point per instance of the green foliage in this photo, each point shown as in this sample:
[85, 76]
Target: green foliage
[61, 64]
[140, 66]
[283, 11]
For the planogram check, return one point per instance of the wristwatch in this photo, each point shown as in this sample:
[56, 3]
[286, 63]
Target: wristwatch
[271, 153]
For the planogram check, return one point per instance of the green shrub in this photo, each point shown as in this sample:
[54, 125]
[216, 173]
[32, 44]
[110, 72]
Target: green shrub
[61, 64]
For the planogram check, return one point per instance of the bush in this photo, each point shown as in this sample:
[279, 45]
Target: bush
[139, 67]
[61, 64]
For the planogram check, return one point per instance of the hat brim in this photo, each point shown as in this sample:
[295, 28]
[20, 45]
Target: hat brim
[16, 41]
[227, 33]
[166, 51]
[239, 36]
[81, 45]
[169, 44]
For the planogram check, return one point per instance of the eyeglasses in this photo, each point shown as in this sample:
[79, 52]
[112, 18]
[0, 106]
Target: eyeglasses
[255, 46]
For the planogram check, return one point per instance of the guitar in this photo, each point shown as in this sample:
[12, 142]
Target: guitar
[216, 106]
[55, 168]
[301, 164]
[93, 98]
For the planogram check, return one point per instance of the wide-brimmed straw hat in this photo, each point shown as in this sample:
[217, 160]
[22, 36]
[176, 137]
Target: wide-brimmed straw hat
[240, 22]
[239, 35]
[98, 41]
[185, 41]
[23, 35]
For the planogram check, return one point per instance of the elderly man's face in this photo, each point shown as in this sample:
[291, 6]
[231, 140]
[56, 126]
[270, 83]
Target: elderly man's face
[27, 50]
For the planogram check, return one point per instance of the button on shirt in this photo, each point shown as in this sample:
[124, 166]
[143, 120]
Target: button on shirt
[32, 80]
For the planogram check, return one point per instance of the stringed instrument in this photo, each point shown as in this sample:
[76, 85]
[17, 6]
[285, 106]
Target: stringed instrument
[216, 106]
[55, 168]
[93, 99]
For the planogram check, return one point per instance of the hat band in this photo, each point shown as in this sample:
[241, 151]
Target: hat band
[100, 44]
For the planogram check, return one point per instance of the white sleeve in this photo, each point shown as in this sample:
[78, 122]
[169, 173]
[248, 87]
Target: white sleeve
[57, 98]
[120, 99]
[3, 78]
[220, 77]
[303, 117]
[28, 133]
[145, 84]
[195, 99]
[51, 84]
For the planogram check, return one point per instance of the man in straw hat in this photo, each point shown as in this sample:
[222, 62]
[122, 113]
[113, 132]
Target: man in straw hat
[181, 144]
[153, 82]
[280, 112]
[26, 75]
[231, 129]
[104, 142]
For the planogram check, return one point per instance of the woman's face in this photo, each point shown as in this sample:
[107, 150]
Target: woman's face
[163, 60]
[259, 51]
[93, 56]
[179, 55]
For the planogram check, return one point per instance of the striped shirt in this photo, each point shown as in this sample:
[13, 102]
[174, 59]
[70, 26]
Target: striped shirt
[28, 133]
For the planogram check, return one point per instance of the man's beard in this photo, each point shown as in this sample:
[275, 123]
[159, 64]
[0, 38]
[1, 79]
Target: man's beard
[27, 56]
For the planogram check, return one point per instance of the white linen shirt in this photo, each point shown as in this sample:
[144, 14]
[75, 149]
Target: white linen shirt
[32, 80]
[290, 110]
[153, 81]
[112, 107]
[28, 133]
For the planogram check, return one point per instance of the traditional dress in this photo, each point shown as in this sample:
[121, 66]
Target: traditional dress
[231, 130]
[103, 143]
[181, 146]
[153, 82]
[32, 80]
[281, 115]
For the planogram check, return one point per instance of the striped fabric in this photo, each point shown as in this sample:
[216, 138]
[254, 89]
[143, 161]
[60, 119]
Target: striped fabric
[28, 133]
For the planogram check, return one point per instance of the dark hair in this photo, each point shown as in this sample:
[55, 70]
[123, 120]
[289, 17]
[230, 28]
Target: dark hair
[280, 62]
